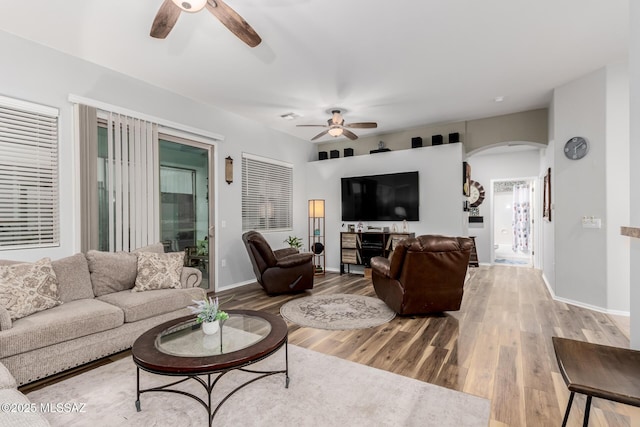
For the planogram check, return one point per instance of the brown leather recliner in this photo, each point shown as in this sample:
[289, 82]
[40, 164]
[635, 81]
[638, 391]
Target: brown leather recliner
[280, 271]
[425, 275]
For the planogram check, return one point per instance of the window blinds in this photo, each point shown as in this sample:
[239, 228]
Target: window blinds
[267, 194]
[132, 183]
[29, 211]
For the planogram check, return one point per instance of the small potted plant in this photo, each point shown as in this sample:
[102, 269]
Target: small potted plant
[208, 314]
[294, 242]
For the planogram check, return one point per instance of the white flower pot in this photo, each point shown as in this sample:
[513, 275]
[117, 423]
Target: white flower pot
[210, 328]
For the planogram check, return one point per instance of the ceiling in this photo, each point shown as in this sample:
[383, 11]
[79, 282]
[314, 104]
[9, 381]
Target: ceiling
[402, 64]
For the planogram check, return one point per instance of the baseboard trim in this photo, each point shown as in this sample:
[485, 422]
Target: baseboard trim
[235, 285]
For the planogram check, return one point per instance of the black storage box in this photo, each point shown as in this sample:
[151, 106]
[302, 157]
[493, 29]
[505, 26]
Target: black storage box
[436, 140]
[323, 155]
[334, 154]
[454, 137]
[416, 142]
[380, 150]
[348, 152]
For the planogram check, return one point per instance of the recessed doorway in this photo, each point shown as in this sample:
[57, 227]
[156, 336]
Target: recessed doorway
[513, 224]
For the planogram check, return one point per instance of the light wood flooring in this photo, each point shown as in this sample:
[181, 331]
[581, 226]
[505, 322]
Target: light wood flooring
[498, 346]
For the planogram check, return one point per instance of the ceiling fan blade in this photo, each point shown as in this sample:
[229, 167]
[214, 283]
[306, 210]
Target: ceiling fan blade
[165, 19]
[234, 22]
[363, 125]
[352, 136]
[321, 134]
[311, 126]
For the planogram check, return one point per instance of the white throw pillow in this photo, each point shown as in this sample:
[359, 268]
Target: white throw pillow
[158, 271]
[28, 288]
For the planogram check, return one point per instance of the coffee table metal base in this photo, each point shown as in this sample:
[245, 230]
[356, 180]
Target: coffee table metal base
[209, 384]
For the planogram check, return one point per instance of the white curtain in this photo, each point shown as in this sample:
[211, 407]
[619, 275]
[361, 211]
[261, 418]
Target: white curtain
[133, 182]
[521, 215]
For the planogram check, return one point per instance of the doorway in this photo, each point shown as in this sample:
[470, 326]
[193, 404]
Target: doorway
[186, 208]
[513, 222]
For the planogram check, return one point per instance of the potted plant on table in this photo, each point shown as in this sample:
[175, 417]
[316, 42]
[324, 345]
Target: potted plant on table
[294, 242]
[209, 314]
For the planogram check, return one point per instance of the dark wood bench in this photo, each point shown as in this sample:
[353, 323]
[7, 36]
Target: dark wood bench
[611, 373]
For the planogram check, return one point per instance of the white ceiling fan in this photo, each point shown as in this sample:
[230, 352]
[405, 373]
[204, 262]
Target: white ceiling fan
[337, 127]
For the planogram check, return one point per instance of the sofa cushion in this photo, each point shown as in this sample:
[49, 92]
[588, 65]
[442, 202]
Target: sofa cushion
[62, 323]
[143, 305]
[111, 271]
[115, 271]
[28, 288]
[158, 271]
[74, 281]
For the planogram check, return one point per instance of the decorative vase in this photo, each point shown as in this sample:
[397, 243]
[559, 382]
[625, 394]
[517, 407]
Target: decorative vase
[210, 328]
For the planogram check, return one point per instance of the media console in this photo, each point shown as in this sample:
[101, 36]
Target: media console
[359, 248]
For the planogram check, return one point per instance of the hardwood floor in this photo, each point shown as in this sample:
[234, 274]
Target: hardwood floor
[498, 346]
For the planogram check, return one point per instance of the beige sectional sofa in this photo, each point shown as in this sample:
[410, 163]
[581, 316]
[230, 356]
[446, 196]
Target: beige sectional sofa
[99, 314]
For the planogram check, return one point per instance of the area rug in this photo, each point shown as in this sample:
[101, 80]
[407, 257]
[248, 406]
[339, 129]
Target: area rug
[337, 312]
[511, 261]
[324, 391]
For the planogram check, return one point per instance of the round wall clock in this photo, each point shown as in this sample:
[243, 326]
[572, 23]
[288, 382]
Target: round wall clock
[476, 194]
[576, 148]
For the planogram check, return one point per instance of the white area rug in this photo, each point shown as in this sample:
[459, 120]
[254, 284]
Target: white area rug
[324, 391]
[337, 312]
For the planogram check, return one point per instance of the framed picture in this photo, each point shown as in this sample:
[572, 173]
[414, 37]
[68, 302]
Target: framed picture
[546, 198]
[466, 179]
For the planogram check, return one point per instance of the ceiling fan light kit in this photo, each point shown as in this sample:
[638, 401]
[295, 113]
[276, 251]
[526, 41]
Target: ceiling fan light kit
[170, 10]
[191, 6]
[337, 127]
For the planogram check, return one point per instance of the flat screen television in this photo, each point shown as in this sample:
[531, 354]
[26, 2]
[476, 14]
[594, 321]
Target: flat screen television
[390, 197]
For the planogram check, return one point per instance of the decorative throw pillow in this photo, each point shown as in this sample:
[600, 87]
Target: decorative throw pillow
[28, 288]
[111, 271]
[158, 271]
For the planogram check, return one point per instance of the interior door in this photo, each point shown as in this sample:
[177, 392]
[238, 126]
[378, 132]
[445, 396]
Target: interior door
[186, 211]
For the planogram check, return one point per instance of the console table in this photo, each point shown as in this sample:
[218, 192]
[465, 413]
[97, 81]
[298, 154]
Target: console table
[359, 248]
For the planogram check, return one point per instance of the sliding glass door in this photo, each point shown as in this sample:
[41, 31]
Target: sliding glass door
[186, 223]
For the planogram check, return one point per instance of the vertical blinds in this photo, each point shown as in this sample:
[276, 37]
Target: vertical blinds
[29, 211]
[132, 182]
[267, 194]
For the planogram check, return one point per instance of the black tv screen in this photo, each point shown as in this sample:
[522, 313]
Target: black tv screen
[390, 197]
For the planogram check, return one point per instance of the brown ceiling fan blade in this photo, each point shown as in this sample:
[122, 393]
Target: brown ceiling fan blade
[311, 126]
[352, 136]
[234, 22]
[165, 19]
[321, 134]
[363, 125]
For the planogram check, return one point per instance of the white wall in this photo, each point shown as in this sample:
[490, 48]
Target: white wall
[486, 167]
[592, 265]
[502, 218]
[440, 180]
[546, 229]
[618, 187]
[634, 159]
[580, 189]
[39, 74]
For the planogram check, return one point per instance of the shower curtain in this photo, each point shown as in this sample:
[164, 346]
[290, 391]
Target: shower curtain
[520, 222]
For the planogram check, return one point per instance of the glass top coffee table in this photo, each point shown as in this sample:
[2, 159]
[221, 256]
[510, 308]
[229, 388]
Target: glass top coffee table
[180, 348]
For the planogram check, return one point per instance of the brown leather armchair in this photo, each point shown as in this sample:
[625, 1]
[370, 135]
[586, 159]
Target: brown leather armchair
[425, 274]
[280, 271]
